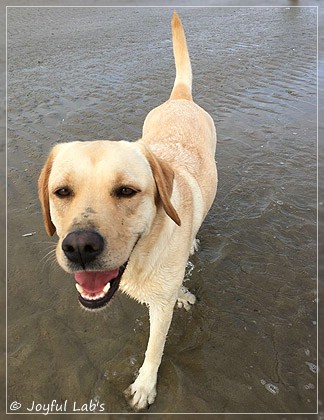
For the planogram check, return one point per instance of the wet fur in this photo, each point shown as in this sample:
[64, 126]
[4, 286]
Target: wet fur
[173, 166]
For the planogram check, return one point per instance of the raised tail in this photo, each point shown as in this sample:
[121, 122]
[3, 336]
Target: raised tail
[183, 81]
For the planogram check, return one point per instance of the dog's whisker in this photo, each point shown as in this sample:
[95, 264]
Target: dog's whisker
[49, 254]
[48, 258]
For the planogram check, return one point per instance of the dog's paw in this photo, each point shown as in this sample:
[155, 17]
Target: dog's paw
[140, 394]
[185, 298]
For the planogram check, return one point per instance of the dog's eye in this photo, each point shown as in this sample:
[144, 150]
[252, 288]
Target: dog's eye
[126, 192]
[63, 192]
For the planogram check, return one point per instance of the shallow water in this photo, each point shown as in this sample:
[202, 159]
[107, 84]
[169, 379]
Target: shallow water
[249, 344]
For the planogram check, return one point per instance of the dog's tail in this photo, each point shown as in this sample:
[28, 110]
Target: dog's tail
[183, 81]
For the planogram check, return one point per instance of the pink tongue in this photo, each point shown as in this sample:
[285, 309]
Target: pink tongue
[94, 281]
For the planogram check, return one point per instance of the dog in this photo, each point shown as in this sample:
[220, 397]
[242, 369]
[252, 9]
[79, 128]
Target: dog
[127, 213]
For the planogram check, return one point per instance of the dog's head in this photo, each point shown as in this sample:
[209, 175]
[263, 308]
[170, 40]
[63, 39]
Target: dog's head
[101, 198]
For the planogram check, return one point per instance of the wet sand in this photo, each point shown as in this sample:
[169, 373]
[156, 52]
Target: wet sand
[249, 345]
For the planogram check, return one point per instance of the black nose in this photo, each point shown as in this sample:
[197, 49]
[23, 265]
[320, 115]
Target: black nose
[83, 246]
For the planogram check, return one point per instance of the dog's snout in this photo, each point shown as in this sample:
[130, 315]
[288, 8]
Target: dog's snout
[82, 247]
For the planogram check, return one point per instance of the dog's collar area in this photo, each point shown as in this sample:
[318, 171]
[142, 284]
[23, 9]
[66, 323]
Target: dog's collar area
[99, 299]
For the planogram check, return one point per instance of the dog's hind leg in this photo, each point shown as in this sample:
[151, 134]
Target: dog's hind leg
[194, 246]
[185, 298]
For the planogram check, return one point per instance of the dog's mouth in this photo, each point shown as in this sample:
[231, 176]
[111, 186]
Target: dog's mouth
[96, 288]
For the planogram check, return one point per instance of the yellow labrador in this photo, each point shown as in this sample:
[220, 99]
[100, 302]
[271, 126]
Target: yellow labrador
[127, 213]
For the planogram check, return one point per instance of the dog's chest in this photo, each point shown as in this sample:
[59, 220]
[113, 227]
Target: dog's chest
[143, 287]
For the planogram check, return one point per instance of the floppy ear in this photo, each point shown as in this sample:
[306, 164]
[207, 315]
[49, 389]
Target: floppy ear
[43, 194]
[163, 176]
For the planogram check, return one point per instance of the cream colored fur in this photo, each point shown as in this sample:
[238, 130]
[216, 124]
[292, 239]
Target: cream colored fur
[173, 166]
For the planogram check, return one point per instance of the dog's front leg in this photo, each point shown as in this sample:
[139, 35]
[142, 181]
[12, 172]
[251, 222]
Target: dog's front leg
[142, 392]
